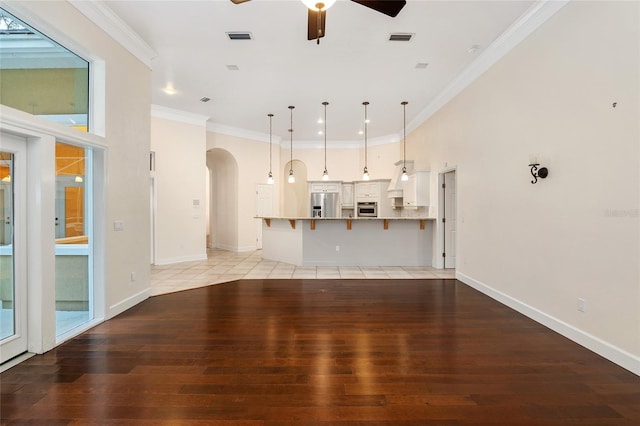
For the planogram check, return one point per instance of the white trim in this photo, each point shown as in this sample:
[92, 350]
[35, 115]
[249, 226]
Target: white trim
[236, 249]
[537, 14]
[300, 144]
[100, 14]
[180, 259]
[128, 303]
[607, 350]
[165, 113]
[242, 133]
[28, 123]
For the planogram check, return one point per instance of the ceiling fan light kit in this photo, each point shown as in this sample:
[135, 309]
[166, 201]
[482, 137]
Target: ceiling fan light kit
[317, 13]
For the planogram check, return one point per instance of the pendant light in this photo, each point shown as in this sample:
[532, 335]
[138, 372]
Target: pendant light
[270, 178]
[365, 174]
[291, 178]
[405, 176]
[325, 174]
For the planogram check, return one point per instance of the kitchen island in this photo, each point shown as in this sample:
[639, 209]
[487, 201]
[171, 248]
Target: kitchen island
[397, 241]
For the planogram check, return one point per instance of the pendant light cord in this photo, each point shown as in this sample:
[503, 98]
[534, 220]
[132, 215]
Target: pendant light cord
[291, 140]
[325, 103]
[404, 136]
[365, 134]
[270, 129]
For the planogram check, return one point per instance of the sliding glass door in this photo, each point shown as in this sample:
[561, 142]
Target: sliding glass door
[13, 277]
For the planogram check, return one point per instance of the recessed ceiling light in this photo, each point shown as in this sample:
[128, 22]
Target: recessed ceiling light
[320, 121]
[169, 90]
[360, 132]
[205, 99]
[233, 68]
[421, 65]
[367, 121]
[401, 36]
[320, 132]
[239, 35]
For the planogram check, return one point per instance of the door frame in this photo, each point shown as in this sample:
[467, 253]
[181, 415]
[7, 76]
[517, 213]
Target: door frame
[41, 137]
[18, 343]
[438, 260]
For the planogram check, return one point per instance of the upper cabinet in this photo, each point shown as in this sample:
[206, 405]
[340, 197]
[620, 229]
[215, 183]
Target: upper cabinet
[347, 195]
[316, 187]
[415, 191]
[367, 191]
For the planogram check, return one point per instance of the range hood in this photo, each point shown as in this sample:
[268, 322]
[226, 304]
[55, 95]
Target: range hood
[395, 186]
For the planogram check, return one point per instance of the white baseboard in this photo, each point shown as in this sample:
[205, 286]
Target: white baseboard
[612, 353]
[127, 303]
[172, 260]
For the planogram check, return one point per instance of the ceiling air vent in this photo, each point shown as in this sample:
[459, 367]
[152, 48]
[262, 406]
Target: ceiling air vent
[205, 99]
[400, 36]
[240, 35]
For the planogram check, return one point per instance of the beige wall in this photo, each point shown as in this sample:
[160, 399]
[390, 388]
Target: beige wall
[347, 164]
[127, 113]
[575, 234]
[252, 159]
[180, 190]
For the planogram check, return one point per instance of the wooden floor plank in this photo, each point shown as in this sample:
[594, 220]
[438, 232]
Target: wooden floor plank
[320, 352]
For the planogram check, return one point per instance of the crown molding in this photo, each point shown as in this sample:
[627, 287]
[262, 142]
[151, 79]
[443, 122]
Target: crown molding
[300, 144]
[100, 14]
[165, 113]
[345, 144]
[242, 133]
[536, 15]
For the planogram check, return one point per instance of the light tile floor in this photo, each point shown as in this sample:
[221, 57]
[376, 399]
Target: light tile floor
[223, 266]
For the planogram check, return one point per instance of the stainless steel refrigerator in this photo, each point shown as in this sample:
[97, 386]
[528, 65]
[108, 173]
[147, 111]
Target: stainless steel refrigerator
[324, 204]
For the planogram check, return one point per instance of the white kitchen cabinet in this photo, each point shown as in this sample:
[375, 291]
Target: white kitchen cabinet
[347, 195]
[333, 187]
[415, 191]
[367, 191]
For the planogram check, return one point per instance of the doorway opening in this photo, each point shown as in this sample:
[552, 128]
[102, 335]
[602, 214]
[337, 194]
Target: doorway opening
[447, 220]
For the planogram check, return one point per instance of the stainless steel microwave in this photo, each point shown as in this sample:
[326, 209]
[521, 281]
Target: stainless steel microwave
[367, 209]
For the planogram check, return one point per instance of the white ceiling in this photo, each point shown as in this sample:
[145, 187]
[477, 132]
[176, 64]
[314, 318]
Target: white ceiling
[354, 62]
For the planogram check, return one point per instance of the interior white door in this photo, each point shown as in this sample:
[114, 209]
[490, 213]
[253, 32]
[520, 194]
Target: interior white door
[264, 208]
[13, 247]
[450, 219]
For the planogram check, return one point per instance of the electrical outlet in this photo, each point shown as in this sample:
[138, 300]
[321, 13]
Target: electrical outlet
[337, 248]
[582, 305]
[133, 276]
[118, 225]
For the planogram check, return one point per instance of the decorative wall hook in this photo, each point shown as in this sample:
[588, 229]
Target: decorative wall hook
[541, 173]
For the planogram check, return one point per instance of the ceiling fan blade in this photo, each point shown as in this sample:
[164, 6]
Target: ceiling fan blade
[238, 1]
[316, 24]
[388, 7]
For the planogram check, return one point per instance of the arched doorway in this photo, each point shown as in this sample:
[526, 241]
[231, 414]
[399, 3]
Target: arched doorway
[223, 199]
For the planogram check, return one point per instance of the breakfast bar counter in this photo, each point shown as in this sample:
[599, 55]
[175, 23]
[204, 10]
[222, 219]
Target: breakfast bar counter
[392, 241]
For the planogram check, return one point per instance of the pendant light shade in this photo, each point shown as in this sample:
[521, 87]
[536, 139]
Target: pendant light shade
[325, 174]
[365, 174]
[270, 176]
[405, 176]
[291, 178]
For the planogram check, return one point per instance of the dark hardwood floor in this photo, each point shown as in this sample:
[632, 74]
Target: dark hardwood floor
[320, 352]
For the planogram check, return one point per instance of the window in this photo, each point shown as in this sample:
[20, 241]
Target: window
[41, 77]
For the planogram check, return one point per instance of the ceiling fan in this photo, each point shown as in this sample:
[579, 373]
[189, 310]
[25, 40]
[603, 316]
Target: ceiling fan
[318, 12]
